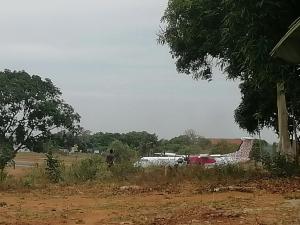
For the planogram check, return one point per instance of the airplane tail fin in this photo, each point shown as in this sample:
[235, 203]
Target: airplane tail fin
[243, 153]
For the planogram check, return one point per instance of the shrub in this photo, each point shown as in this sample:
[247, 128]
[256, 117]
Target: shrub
[36, 177]
[260, 151]
[228, 174]
[279, 165]
[53, 168]
[124, 170]
[223, 147]
[3, 175]
[123, 153]
[87, 169]
[6, 155]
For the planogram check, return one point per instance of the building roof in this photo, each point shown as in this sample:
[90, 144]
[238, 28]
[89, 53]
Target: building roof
[288, 48]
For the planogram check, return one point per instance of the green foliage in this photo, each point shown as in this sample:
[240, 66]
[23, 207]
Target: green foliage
[187, 144]
[257, 101]
[122, 152]
[38, 176]
[224, 147]
[124, 171]
[86, 170]
[231, 171]
[3, 175]
[221, 174]
[181, 149]
[280, 166]
[134, 143]
[261, 100]
[192, 150]
[67, 139]
[53, 168]
[273, 161]
[193, 32]
[6, 155]
[143, 142]
[30, 108]
[139, 140]
[239, 36]
[260, 151]
[181, 140]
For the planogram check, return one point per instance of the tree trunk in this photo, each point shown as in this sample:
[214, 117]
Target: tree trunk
[284, 138]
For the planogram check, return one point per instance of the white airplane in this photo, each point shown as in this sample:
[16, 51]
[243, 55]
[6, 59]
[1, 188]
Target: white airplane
[172, 159]
[167, 159]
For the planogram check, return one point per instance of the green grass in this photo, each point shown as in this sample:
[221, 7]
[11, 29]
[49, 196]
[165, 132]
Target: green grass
[94, 169]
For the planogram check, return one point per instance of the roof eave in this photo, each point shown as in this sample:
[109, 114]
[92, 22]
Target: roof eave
[288, 48]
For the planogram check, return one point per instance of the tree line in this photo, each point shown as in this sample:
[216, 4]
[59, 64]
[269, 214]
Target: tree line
[142, 143]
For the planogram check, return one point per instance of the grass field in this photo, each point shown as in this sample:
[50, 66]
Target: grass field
[38, 159]
[254, 201]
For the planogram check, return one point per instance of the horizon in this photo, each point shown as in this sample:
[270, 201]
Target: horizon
[109, 67]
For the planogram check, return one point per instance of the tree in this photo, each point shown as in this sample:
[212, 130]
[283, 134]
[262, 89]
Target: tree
[181, 140]
[141, 141]
[192, 135]
[102, 140]
[30, 109]
[257, 101]
[123, 153]
[262, 101]
[224, 147]
[239, 36]
[67, 139]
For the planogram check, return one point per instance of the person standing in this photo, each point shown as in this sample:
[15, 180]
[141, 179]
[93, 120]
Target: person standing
[110, 158]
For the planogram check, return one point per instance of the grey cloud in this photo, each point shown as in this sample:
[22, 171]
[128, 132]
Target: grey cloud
[104, 57]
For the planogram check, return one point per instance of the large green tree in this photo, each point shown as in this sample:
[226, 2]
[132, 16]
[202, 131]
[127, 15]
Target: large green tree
[30, 109]
[258, 106]
[239, 36]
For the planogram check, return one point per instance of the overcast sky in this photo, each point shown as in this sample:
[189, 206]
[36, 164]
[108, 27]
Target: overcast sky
[104, 57]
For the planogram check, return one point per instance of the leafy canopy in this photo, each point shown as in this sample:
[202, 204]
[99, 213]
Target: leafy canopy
[30, 108]
[258, 105]
[238, 34]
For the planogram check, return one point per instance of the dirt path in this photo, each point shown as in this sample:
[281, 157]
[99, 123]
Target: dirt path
[110, 205]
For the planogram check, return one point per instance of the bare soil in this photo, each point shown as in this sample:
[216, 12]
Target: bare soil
[264, 202]
[259, 202]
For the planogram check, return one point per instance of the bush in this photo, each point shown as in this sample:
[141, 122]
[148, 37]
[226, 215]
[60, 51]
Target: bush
[223, 147]
[3, 175]
[228, 174]
[278, 165]
[123, 153]
[87, 169]
[6, 155]
[37, 177]
[53, 168]
[123, 171]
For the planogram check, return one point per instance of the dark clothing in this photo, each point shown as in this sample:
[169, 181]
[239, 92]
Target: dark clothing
[110, 159]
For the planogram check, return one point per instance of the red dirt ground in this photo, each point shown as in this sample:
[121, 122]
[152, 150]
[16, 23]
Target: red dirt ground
[264, 202]
[276, 203]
